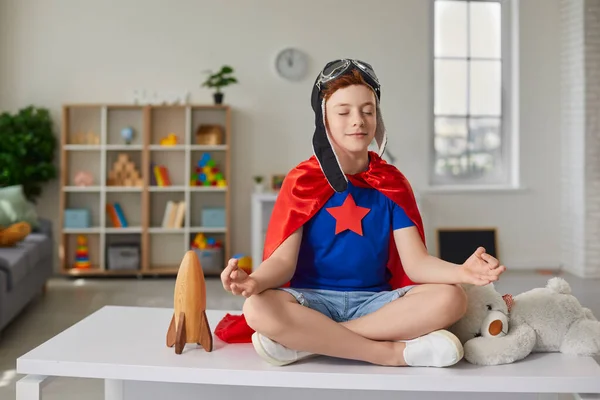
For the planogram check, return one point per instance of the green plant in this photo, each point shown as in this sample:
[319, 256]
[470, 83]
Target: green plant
[27, 146]
[220, 79]
[258, 179]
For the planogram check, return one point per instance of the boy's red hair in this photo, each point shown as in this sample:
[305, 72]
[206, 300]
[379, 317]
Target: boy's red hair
[355, 78]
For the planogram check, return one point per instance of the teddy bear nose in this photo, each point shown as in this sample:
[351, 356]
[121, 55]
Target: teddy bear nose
[495, 327]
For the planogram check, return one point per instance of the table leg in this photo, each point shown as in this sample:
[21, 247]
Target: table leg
[113, 389]
[30, 387]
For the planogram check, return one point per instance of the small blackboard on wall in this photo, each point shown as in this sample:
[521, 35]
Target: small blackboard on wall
[455, 245]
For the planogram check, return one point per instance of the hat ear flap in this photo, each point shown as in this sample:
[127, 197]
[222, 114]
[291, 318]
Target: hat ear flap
[323, 150]
[380, 132]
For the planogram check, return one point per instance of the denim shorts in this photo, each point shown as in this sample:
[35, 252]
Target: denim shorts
[345, 306]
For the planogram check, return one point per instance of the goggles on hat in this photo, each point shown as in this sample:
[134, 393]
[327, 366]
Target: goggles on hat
[336, 68]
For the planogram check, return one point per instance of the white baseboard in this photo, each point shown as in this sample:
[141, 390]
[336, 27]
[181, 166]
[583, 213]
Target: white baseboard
[583, 274]
[533, 266]
[553, 266]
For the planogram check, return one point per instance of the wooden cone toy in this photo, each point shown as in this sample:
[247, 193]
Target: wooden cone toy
[189, 323]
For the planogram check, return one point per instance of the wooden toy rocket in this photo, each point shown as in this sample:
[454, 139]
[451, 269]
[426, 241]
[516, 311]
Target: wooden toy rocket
[189, 323]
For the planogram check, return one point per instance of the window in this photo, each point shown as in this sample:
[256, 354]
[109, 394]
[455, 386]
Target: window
[471, 141]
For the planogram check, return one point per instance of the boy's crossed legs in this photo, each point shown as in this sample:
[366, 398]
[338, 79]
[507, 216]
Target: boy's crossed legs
[375, 337]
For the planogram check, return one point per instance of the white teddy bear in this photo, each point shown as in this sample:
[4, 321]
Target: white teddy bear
[498, 329]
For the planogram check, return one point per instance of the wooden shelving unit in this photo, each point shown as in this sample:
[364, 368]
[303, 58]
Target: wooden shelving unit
[161, 249]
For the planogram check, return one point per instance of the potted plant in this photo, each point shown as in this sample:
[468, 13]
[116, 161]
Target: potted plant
[27, 150]
[219, 80]
[258, 184]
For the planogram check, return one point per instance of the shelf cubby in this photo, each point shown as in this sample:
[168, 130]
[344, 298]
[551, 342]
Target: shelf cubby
[120, 117]
[94, 253]
[161, 259]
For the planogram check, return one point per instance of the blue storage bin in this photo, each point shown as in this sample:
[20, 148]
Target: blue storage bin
[77, 218]
[213, 217]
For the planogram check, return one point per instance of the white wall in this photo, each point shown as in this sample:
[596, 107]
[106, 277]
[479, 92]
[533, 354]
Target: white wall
[580, 85]
[59, 51]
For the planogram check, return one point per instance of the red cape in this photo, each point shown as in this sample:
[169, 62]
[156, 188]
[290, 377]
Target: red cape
[304, 191]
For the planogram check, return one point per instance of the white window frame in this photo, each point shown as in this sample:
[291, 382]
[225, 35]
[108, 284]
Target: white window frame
[509, 107]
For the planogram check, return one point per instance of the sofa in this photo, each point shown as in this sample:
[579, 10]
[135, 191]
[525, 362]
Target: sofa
[24, 271]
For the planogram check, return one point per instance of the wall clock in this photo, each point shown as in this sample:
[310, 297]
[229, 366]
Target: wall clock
[292, 64]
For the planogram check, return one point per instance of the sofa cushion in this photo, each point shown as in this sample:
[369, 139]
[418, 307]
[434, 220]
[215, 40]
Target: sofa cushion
[17, 261]
[14, 207]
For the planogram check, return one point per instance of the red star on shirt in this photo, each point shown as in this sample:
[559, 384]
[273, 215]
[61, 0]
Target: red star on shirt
[348, 216]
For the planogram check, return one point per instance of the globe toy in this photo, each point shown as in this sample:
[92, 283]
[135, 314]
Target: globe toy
[127, 134]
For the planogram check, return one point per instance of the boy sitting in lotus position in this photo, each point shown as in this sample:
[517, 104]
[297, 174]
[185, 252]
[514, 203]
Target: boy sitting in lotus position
[346, 272]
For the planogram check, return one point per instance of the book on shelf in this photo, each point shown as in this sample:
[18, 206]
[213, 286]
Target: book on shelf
[159, 175]
[152, 176]
[116, 215]
[174, 214]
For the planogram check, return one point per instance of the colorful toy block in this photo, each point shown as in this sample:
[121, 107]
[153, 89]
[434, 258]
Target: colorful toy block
[206, 173]
[202, 242]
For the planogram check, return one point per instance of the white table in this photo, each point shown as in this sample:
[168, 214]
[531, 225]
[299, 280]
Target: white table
[125, 346]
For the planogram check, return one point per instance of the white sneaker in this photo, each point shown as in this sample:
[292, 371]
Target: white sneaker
[275, 353]
[436, 349]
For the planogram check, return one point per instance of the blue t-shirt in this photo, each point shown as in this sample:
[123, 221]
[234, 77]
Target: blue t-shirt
[345, 245]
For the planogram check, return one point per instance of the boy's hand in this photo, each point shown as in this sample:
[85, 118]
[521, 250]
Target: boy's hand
[480, 269]
[237, 281]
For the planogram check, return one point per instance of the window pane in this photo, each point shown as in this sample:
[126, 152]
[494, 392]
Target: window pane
[450, 29]
[485, 135]
[450, 146]
[451, 87]
[485, 84]
[486, 145]
[485, 29]
[450, 136]
[453, 166]
[474, 157]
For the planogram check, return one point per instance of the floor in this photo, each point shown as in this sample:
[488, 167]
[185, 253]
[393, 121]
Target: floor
[69, 300]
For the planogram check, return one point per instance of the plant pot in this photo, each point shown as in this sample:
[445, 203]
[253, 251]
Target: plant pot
[259, 187]
[218, 98]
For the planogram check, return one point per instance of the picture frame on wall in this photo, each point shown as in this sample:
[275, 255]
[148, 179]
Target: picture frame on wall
[277, 181]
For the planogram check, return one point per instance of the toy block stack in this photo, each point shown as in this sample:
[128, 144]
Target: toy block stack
[201, 242]
[124, 173]
[82, 258]
[206, 173]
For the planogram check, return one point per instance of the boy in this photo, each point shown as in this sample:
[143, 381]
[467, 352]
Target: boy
[346, 272]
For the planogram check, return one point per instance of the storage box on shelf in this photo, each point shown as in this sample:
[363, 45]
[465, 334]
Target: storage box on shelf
[140, 183]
